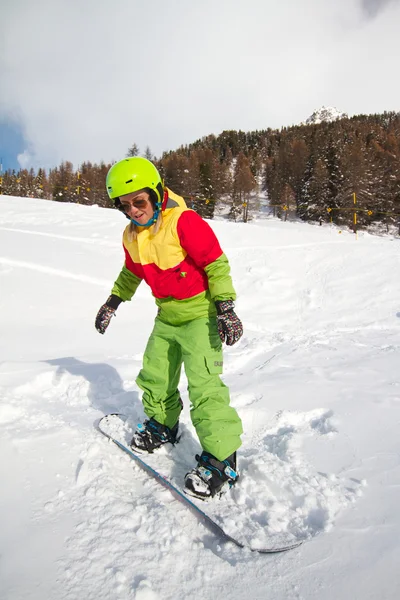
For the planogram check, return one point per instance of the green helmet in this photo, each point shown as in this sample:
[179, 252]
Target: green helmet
[131, 175]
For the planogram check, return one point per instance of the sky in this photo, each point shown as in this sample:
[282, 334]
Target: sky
[315, 381]
[11, 144]
[83, 80]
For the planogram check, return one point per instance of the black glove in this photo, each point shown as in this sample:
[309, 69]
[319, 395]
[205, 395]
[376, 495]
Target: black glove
[105, 313]
[230, 327]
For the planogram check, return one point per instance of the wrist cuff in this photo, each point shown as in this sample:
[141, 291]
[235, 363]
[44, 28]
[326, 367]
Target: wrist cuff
[224, 306]
[113, 301]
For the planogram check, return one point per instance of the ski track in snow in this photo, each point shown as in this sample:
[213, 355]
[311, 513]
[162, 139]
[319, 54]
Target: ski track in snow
[54, 272]
[93, 240]
[124, 533]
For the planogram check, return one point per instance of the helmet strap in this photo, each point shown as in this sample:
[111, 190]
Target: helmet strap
[153, 218]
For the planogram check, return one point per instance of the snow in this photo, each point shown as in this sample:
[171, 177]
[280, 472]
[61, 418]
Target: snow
[315, 379]
[325, 114]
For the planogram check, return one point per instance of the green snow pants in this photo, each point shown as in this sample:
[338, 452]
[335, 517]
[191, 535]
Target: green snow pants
[197, 345]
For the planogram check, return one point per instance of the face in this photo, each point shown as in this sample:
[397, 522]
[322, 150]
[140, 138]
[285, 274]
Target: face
[137, 206]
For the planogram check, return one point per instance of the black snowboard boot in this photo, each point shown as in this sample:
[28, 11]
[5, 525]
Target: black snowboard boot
[211, 477]
[151, 435]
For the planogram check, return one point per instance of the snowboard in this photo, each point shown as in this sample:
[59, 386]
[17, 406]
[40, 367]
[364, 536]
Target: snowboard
[119, 430]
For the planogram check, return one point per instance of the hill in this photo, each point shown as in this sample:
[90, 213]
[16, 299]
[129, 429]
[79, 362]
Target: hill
[314, 378]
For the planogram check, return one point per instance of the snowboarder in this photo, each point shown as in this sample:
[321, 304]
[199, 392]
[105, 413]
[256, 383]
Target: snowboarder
[178, 255]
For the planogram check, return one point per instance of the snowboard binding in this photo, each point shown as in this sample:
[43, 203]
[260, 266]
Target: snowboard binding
[211, 477]
[151, 435]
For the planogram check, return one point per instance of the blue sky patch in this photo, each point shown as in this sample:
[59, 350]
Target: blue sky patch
[11, 144]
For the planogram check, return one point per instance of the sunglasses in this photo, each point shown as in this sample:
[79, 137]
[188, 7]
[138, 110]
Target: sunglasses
[127, 206]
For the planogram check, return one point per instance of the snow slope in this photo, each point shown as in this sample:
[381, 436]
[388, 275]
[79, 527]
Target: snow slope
[315, 379]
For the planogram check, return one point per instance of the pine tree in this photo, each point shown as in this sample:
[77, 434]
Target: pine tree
[335, 174]
[243, 184]
[40, 184]
[299, 154]
[133, 151]
[147, 154]
[358, 180]
[315, 193]
[210, 182]
[63, 188]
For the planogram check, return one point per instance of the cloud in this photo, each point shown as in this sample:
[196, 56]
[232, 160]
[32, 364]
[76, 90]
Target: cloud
[86, 80]
[373, 7]
[24, 159]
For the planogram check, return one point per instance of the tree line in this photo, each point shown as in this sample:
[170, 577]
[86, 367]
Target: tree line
[315, 172]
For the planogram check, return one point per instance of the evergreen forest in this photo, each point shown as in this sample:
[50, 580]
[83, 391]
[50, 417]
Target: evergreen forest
[346, 172]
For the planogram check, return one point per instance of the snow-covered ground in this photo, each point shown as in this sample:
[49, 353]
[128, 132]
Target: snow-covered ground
[315, 378]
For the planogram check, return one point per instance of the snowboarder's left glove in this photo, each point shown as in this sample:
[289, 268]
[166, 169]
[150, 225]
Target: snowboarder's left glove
[105, 313]
[230, 327]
